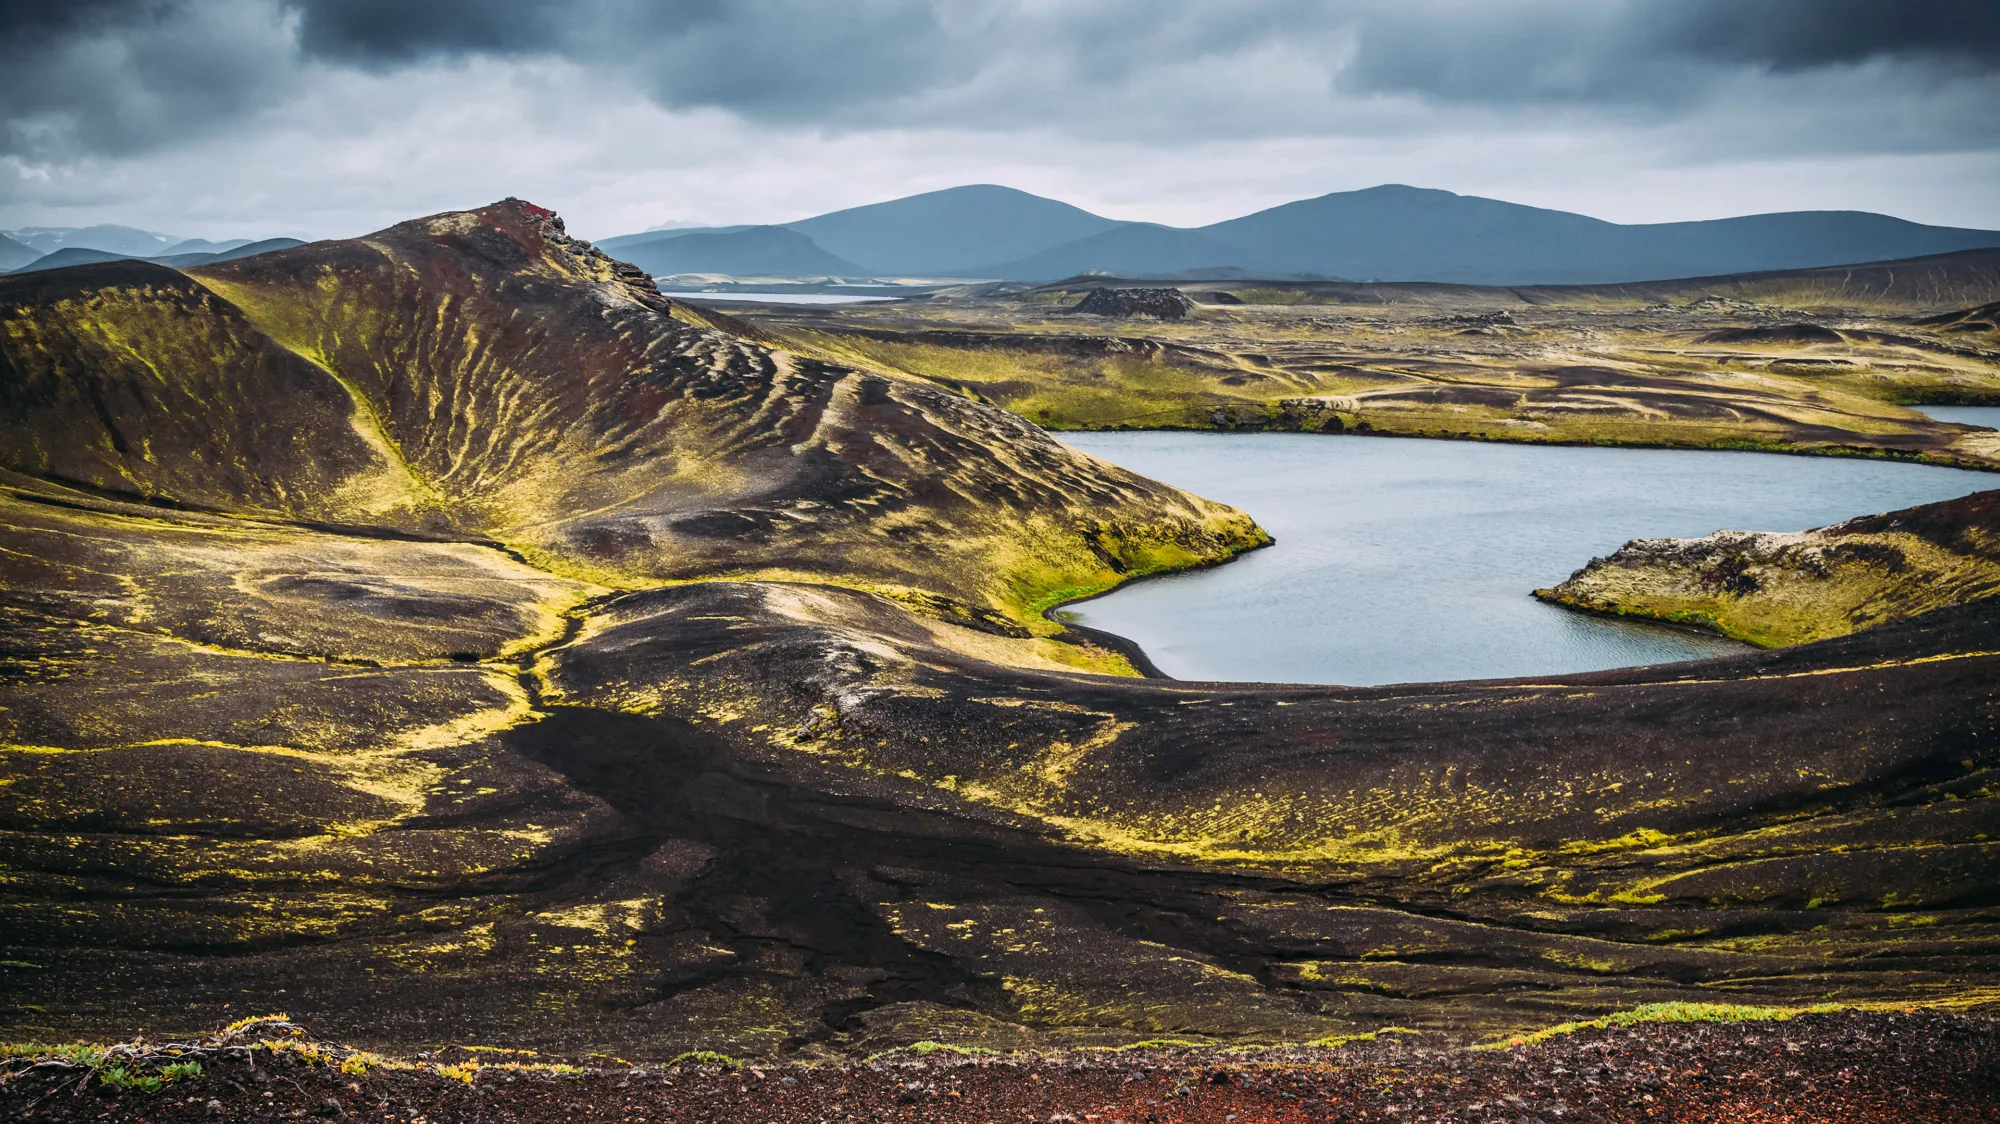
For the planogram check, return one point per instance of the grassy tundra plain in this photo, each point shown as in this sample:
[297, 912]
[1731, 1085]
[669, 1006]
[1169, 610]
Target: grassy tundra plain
[1814, 361]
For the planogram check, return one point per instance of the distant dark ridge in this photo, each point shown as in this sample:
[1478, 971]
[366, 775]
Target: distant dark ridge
[1782, 333]
[125, 241]
[247, 250]
[84, 255]
[1937, 281]
[1985, 318]
[70, 256]
[950, 233]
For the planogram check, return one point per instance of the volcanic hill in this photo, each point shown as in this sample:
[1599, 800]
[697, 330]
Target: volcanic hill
[445, 636]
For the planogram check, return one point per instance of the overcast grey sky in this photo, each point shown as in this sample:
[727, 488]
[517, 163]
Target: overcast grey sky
[223, 118]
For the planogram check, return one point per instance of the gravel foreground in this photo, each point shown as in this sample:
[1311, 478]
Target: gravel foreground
[1847, 1066]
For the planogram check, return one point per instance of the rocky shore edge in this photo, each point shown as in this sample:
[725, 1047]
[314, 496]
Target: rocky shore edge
[1777, 589]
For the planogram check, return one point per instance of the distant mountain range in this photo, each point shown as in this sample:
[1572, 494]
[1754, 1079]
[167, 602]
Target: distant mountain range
[237, 249]
[51, 247]
[1388, 233]
[179, 257]
[14, 255]
[124, 241]
[204, 246]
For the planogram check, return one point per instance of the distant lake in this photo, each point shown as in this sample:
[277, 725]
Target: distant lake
[1406, 560]
[1988, 416]
[776, 298]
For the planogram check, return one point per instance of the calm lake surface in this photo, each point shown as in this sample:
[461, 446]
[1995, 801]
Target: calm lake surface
[1988, 416]
[1405, 560]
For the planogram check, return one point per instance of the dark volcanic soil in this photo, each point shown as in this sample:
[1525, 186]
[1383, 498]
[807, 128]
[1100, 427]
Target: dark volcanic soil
[393, 723]
[1848, 1067]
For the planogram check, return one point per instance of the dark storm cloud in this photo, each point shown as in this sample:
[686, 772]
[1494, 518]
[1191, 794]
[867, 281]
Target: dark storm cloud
[1662, 54]
[126, 75]
[389, 32]
[33, 19]
[1791, 34]
[781, 59]
[115, 76]
[792, 58]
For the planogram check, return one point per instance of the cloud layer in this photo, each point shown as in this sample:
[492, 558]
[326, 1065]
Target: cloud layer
[247, 116]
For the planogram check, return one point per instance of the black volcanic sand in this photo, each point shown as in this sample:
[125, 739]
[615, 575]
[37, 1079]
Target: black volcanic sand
[1847, 1068]
[403, 726]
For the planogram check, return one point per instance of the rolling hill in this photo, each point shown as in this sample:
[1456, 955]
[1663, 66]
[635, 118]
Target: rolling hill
[1387, 233]
[938, 233]
[751, 251]
[14, 255]
[204, 246]
[948, 233]
[69, 256]
[1133, 250]
[231, 252]
[84, 255]
[1395, 233]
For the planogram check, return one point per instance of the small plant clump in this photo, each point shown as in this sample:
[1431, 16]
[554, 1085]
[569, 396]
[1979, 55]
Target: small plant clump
[1338, 1040]
[132, 1066]
[144, 1067]
[928, 1046]
[1677, 1012]
[706, 1057]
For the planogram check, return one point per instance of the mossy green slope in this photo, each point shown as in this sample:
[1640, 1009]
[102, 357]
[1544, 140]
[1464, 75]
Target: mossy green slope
[1778, 589]
[133, 380]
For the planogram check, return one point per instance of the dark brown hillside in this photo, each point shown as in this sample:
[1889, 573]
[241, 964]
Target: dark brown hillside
[542, 393]
[1929, 282]
[133, 380]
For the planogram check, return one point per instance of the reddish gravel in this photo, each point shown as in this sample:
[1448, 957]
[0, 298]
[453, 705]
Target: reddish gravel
[1851, 1068]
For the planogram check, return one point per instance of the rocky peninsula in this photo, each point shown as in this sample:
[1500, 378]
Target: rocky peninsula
[1778, 589]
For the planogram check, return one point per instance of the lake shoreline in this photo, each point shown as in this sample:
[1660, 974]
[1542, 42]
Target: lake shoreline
[1132, 650]
[1418, 562]
[1830, 452]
